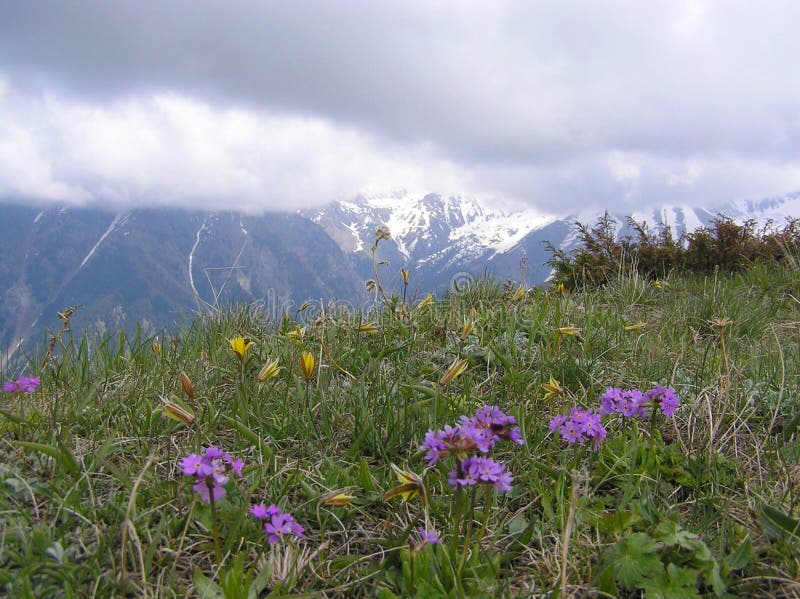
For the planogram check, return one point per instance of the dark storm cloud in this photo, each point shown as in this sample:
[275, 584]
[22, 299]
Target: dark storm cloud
[557, 104]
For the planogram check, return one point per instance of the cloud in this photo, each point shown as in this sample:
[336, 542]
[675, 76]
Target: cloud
[177, 151]
[558, 104]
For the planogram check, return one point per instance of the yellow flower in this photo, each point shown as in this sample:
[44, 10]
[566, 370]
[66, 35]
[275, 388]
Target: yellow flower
[656, 284]
[369, 327]
[156, 348]
[269, 370]
[337, 498]
[188, 388]
[569, 331]
[456, 369]
[307, 365]
[639, 326]
[177, 412]
[560, 288]
[241, 346]
[467, 329]
[552, 387]
[404, 276]
[426, 301]
[410, 485]
[299, 333]
[518, 294]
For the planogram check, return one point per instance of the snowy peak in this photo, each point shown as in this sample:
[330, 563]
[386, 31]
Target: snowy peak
[424, 228]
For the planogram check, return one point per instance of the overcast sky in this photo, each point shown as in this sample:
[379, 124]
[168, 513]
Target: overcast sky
[263, 105]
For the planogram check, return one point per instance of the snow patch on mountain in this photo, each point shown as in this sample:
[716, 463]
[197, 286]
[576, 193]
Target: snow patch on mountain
[119, 219]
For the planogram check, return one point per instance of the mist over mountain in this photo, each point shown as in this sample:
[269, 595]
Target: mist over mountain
[154, 267]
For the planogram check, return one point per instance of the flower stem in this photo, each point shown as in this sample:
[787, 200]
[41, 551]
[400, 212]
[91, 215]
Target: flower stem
[487, 508]
[468, 533]
[214, 527]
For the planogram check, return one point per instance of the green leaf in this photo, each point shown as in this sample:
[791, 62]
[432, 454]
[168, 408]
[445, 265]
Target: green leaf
[61, 455]
[517, 525]
[634, 559]
[364, 476]
[260, 582]
[205, 587]
[790, 427]
[671, 533]
[605, 582]
[679, 583]
[384, 593]
[778, 524]
[740, 556]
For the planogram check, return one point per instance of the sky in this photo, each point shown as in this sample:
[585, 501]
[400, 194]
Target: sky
[559, 105]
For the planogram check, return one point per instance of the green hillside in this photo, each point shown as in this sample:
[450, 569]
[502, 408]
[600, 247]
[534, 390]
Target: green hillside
[649, 499]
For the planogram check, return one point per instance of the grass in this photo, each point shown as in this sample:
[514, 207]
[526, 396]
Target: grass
[93, 502]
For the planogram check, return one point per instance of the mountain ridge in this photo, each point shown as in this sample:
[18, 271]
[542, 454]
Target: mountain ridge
[153, 266]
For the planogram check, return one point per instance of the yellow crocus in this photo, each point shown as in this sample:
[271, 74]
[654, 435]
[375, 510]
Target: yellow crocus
[177, 412]
[467, 329]
[560, 288]
[188, 388]
[519, 294]
[298, 333]
[337, 498]
[240, 346]
[552, 387]
[456, 369]
[410, 485]
[307, 365]
[426, 301]
[370, 328]
[404, 276]
[269, 370]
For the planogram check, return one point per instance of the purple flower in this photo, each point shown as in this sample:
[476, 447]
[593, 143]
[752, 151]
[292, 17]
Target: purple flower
[28, 384]
[212, 471]
[476, 469]
[628, 403]
[666, 397]
[457, 441]
[557, 422]
[277, 524]
[578, 426]
[499, 423]
[24, 384]
[196, 465]
[429, 536]
[205, 490]
[262, 512]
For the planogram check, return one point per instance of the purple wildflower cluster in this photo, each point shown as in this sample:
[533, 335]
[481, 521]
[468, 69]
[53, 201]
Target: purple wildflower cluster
[277, 524]
[581, 425]
[635, 403]
[212, 470]
[24, 384]
[476, 469]
[479, 433]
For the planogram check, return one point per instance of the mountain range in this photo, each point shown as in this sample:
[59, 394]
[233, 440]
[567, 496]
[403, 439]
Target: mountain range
[154, 267]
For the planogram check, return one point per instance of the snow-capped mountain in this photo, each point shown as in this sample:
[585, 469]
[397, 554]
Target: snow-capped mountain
[429, 231]
[441, 238]
[156, 266]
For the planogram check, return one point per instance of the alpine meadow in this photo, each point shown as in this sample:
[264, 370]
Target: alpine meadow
[629, 431]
